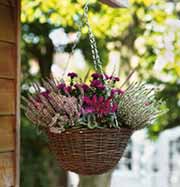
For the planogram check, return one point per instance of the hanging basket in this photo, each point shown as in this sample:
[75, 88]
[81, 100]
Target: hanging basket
[89, 152]
[60, 109]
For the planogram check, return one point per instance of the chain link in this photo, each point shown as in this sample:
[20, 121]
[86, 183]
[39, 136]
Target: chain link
[95, 55]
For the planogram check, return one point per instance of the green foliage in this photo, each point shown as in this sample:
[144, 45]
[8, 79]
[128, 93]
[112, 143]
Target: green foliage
[36, 161]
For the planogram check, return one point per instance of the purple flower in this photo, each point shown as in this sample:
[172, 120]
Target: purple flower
[72, 75]
[96, 75]
[85, 87]
[67, 89]
[97, 84]
[113, 92]
[114, 107]
[77, 85]
[61, 86]
[116, 79]
[121, 91]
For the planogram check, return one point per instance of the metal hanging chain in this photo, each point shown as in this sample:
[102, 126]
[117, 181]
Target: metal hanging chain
[95, 55]
[80, 25]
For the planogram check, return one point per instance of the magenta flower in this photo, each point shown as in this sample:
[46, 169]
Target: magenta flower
[96, 75]
[121, 91]
[87, 100]
[98, 105]
[85, 87]
[77, 85]
[116, 79]
[61, 86]
[97, 84]
[72, 75]
[67, 89]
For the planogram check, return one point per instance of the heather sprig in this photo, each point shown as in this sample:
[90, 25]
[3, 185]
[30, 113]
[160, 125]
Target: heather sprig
[54, 112]
[138, 106]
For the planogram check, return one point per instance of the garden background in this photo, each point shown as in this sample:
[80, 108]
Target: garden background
[145, 36]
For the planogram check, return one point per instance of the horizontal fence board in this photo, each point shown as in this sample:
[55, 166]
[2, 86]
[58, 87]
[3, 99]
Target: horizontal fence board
[8, 2]
[7, 133]
[7, 97]
[7, 23]
[7, 60]
[7, 169]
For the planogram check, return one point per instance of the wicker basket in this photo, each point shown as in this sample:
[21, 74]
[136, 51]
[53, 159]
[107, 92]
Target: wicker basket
[89, 152]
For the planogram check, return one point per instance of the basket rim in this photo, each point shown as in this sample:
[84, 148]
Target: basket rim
[96, 130]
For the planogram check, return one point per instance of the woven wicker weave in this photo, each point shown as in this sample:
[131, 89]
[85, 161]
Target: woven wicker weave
[89, 152]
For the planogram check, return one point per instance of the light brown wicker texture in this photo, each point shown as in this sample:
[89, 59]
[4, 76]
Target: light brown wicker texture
[89, 152]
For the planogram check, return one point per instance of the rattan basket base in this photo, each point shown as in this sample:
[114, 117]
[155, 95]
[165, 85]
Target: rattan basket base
[89, 152]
